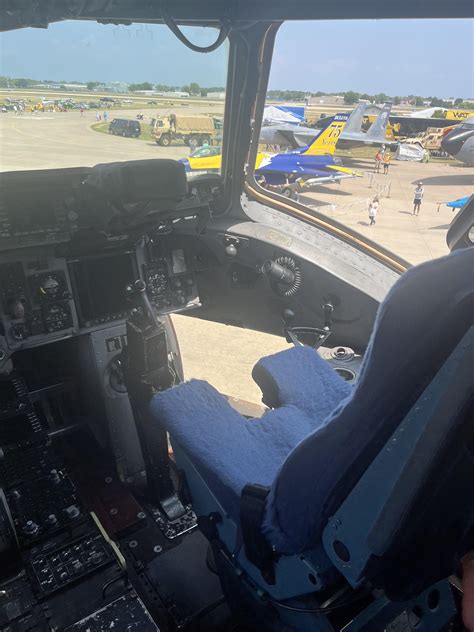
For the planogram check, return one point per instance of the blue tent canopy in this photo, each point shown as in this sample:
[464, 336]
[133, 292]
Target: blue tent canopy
[296, 110]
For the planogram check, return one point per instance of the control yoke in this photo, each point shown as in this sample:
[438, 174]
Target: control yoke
[137, 292]
[147, 370]
[311, 336]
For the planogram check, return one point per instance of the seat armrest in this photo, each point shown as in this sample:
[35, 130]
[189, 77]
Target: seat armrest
[300, 377]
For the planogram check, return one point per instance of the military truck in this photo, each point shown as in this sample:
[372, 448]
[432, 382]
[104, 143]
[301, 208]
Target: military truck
[193, 130]
[430, 139]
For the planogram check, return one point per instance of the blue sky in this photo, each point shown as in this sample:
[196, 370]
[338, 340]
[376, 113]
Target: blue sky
[429, 57]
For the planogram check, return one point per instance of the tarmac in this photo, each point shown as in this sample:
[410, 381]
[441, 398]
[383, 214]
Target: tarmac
[414, 238]
[55, 140]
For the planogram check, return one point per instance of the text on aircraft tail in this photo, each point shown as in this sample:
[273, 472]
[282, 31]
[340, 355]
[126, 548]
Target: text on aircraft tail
[326, 142]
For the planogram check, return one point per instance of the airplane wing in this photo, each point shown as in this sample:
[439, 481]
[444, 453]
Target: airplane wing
[345, 170]
[280, 170]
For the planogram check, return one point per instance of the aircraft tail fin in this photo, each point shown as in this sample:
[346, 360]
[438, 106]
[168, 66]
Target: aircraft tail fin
[354, 122]
[378, 129]
[326, 141]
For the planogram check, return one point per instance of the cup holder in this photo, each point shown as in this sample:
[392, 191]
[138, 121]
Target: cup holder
[346, 374]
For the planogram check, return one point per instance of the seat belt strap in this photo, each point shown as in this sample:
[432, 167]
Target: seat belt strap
[257, 549]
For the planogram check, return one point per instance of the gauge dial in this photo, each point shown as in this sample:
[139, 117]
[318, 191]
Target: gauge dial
[50, 286]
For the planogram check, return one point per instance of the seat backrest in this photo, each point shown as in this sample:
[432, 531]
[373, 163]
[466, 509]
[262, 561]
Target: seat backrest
[417, 494]
[418, 325]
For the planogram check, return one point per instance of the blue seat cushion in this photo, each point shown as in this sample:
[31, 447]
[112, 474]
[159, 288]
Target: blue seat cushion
[299, 377]
[229, 450]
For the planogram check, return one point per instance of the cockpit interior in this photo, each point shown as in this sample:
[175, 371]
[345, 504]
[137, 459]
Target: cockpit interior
[134, 500]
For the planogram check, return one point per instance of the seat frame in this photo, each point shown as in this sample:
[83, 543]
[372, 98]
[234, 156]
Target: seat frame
[353, 539]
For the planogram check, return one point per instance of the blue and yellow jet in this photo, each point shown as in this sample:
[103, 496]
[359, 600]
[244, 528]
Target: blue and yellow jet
[315, 162]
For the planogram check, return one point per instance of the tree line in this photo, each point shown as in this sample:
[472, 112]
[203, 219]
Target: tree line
[194, 89]
[351, 97]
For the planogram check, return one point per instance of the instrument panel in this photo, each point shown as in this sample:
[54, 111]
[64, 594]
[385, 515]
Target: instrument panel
[44, 298]
[39, 207]
[36, 299]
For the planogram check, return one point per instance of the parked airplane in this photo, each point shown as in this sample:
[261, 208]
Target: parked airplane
[282, 126]
[288, 135]
[459, 142]
[352, 134]
[315, 161]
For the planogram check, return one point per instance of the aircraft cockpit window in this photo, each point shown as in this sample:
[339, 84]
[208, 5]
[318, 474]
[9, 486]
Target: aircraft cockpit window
[81, 93]
[366, 124]
[205, 152]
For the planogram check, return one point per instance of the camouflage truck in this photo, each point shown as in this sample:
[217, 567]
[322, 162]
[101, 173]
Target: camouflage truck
[430, 139]
[193, 130]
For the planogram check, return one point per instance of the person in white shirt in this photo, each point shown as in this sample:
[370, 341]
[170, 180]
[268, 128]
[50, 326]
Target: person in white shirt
[373, 208]
[419, 191]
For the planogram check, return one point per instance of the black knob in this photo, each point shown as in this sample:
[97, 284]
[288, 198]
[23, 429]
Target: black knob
[30, 528]
[139, 285]
[230, 250]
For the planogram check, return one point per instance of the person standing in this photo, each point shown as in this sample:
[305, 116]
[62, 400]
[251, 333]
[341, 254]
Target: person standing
[373, 208]
[105, 116]
[387, 157]
[418, 198]
[378, 161]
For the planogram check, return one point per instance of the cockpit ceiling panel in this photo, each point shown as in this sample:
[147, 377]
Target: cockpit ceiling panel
[21, 13]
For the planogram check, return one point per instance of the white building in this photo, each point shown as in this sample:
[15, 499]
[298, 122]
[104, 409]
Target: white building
[329, 99]
[117, 86]
[176, 95]
[74, 86]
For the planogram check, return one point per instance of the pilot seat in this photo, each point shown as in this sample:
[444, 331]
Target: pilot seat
[344, 506]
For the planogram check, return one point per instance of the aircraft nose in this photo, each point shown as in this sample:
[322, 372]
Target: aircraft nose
[454, 140]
